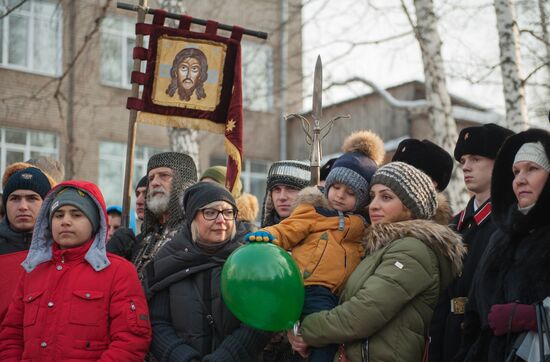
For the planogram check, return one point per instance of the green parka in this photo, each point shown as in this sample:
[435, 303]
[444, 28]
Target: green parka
[388, 301]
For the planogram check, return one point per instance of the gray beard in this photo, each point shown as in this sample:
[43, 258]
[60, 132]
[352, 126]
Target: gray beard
[158, 204]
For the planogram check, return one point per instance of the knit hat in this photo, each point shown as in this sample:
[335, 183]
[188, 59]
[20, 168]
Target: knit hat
[79, 199]
[356, 167]
[413, 187]
[142, 183]
[218, 173]
[325, 169]
[427, 157]
[201, 194]
[483, 140]
[30, 178]
[534, 152]
[291, 173]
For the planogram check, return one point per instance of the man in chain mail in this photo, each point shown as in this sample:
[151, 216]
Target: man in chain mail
[285, 179]
[169, 175]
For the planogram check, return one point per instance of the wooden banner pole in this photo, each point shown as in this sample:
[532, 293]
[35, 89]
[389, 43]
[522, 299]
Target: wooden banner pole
[129, 169]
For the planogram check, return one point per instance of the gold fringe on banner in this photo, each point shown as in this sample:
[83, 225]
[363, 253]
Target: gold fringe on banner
[180, 122]
[234, 153]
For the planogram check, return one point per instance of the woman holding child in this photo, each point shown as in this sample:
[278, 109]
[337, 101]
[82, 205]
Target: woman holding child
[387, 303]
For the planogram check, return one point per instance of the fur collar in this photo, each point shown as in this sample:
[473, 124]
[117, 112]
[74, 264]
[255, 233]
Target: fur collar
[439, 238]
[443, 213]
[312, 195]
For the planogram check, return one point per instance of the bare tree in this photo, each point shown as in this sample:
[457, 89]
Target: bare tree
[510, 59]
[183, 140]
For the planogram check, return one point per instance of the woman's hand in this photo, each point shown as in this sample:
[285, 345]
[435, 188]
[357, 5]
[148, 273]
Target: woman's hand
[298, 344]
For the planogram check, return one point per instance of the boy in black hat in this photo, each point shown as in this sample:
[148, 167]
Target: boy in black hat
[476, 150]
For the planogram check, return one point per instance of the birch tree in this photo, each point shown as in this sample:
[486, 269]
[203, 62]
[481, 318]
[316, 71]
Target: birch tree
[183, 140]
[440, 109]
[510, 59]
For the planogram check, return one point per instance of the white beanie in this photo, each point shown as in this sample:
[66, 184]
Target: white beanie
[533, 152]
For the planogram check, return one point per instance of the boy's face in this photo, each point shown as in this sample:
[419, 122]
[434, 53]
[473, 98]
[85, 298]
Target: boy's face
[70, 227]
[341, 197]
[115, 221]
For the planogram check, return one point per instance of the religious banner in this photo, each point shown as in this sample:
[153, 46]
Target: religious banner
[192, 80]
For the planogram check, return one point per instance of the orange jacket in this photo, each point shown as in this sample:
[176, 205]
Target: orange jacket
[325, 252]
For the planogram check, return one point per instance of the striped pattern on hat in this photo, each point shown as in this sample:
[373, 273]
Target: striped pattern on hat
[413, 187]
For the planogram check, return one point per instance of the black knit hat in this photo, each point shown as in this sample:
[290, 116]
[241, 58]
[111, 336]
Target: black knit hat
[79, 199]
[428, 157]
[483, 140]
[201, 194]
[325, 169]
[142, 183]
[30, 178]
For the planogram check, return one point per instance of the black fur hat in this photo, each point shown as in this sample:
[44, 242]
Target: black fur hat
[428, 157]
[483, 140]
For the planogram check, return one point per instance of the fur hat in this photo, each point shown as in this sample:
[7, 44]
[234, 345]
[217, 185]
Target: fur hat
[248, 207]
[413, 187]
[483, 140]
[30, 178]
[291, 173]
[363, 152]
[427, 157]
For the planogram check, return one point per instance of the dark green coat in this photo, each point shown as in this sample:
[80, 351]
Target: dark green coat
[388, 301]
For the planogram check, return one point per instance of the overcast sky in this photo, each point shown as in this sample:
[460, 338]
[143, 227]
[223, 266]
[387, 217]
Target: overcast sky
[470, 48]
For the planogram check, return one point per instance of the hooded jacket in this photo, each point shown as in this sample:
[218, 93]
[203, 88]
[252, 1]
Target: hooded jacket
[325, 243]
[75, 304]
[514, 267]
[388, 301]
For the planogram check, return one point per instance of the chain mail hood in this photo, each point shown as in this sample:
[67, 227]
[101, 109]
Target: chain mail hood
[185, 175]
[289, 173]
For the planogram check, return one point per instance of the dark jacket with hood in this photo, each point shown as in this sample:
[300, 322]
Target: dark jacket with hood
[13, 241]
[78, 303]
[514, 267]
[189, 318]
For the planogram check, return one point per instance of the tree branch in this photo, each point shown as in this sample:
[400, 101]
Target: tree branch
[420, 104]
[539, 67]
[11, 10]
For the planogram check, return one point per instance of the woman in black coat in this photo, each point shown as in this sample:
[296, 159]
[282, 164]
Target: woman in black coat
[513, 274]
[189, 317]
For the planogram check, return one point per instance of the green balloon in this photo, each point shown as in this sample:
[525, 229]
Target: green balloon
[263, 287]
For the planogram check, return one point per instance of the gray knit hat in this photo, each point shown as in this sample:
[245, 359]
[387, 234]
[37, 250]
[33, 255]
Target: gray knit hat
[289, 173]
[413, 187]
[79, 199]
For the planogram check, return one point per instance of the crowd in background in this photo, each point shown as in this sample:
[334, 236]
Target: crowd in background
[391, 273]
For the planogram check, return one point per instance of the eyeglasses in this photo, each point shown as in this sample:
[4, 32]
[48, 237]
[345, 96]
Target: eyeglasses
[212, 214]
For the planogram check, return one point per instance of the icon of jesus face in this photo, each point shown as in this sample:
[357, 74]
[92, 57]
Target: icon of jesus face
[188, 72]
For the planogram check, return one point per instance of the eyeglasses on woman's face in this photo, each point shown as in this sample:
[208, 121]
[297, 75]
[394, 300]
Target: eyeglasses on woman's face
[212, 214]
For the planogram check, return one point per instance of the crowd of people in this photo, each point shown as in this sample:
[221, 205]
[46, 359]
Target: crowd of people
[390, 272]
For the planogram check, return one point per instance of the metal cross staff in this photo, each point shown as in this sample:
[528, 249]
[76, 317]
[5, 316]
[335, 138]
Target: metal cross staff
[315, 134]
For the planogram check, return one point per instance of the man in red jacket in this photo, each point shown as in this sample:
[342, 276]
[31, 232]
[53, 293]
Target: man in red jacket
[75, 301]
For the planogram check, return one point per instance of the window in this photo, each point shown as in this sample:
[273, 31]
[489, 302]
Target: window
[257, 60]
[18, 145]
[117, 43]
[112, 159]
[31, 36]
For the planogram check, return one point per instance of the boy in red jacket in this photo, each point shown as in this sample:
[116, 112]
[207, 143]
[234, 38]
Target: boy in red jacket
[75, 301]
